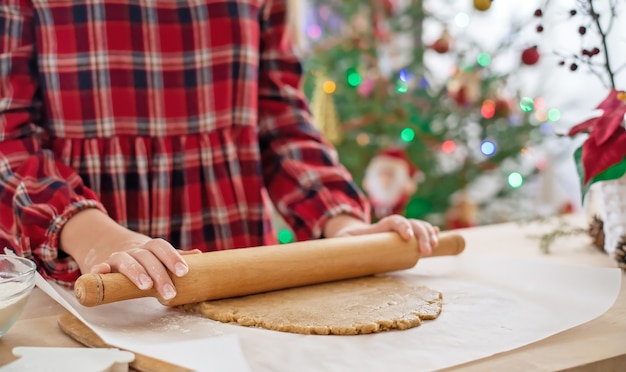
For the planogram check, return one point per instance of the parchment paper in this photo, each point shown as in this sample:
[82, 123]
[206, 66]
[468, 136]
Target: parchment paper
[146, 327]
[490, 306]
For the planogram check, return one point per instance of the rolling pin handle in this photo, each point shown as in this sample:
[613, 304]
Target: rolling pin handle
[90, 289]
[454, 244]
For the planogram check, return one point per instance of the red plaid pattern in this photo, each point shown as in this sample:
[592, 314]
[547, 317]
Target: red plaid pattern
[182, 120]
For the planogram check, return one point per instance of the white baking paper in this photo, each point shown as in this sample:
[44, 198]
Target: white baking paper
[146, 327]
[491, 305]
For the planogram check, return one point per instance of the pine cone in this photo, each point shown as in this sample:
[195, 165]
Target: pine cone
[597, 233]
[620, 253]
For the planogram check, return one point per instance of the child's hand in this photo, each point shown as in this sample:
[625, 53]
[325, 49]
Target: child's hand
[100, 245]
[427, 235]
[145, 264]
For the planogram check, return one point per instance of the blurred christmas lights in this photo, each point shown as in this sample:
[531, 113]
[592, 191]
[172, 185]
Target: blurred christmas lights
[462, 20]
[488, 109]
[363, 139]
[407, 135]
[554, 115]
[527, 104]
[488, 148]
[448, 147]
[329, 87]
[515, 180]
[285, 236]
[484, 59]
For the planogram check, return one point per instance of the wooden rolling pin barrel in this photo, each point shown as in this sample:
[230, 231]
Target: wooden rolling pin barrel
[240, 272]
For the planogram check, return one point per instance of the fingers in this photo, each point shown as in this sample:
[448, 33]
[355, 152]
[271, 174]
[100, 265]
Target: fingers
[146, 266]
[395, 223]
[427, 235]
[169, 256]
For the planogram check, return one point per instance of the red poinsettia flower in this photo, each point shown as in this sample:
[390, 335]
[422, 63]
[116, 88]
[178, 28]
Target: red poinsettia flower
[603, 155]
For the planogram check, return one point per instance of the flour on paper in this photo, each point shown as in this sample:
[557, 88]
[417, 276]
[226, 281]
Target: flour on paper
[349, 307]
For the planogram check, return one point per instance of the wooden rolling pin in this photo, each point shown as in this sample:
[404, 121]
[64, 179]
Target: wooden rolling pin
[239, 272]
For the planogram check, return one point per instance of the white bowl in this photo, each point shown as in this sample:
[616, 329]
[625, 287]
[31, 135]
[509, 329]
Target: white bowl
[17, 279]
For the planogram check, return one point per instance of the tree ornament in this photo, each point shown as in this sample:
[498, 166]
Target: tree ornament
[482, 5]
[391, 178]
[596, 232]
[442, 45]
[504, 108]
[530, 55]
[325, 113]
[464, 87]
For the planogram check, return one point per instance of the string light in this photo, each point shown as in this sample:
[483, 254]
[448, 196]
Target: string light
[541, 164]
[423, 83]
[402, 87]
[527, 104]
[541, 115]
[285, 236]
[448, 147]
[314, 31]
[488, 109]
[363, 139]
[407, 135]
[546, 128]
[488, 148]
[554, 114]
[405, 76]
[462, 20]
[515, 180]
[484, 59]
[354, 79]
[329, 87]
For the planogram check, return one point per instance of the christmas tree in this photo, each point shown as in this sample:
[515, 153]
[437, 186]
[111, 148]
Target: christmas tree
[389, 76]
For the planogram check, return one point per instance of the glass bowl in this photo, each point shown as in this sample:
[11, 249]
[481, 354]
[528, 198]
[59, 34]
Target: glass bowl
[17, 279]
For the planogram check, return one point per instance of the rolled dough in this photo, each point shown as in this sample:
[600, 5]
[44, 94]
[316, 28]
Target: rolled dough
[349, 307]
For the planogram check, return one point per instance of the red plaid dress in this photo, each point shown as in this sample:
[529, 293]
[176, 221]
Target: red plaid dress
[180, 119]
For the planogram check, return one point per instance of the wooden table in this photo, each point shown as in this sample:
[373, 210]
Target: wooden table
[596, 345]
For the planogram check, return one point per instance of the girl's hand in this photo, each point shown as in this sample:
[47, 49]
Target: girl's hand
[145, 264]
[100, 245]
[427, 235]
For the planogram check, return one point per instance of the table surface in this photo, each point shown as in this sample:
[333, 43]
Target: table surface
[596, 345]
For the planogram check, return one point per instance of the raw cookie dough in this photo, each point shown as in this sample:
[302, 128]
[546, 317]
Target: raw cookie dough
[349, 307]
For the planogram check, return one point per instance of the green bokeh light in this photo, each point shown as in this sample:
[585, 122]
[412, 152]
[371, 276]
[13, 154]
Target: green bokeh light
[285, 236]
[354, 79]
[484, 59]
[554, 114]
[527, 104]
[402, 87]
[515, 180]
[462, 20]
[407, 135]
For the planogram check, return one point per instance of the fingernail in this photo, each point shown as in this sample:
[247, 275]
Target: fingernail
[168, 292]
[410, 232]
[144, 281]
[181, 269]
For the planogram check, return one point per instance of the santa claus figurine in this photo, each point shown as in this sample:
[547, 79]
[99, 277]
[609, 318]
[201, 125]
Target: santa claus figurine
[390, 180]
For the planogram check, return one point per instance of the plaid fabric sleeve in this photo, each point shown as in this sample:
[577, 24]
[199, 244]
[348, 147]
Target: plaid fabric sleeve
[301, 170]
[37, 194]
